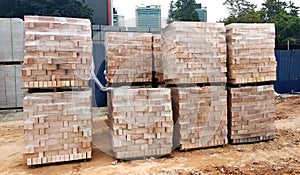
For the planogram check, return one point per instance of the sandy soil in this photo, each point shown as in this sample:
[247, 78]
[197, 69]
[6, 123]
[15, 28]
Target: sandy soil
[280, 156]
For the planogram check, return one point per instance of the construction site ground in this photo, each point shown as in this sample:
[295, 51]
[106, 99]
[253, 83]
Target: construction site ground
[279, 156]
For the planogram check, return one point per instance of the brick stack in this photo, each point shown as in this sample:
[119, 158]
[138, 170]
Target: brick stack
[157, 56]
[251, 70]
[252, 114]
[200, 116]
[251, 56]
[58, 52]
[194, 56]
[57, 121]
[194, 52]
[58, 127]
[141, 122]
[129, 57]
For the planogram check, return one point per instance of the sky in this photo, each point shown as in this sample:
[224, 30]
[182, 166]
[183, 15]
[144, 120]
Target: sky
[215, 8]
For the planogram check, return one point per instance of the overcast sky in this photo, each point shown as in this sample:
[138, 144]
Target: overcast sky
[215, 8]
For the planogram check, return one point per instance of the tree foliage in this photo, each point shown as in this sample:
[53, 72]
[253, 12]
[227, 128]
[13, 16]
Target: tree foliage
[66, 8]
[283, 15]
[182, 10]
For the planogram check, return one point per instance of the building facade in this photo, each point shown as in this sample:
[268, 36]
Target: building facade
[202, 12]
[119, 20]
[148, 16]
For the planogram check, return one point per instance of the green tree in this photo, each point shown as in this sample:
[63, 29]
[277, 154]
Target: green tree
[67, 8]
[182, 10]
[283, 15]
[242, 11]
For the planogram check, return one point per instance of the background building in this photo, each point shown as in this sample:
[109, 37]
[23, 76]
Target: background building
[148, 16]
[202, 12]
[119, 20]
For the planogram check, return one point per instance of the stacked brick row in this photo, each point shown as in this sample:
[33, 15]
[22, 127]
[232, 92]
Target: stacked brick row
[157, 56]
[251, 56]
[129, 57]
[58, 52]
[252, 114]
[57, 125]
[200, 116]
[194, 52]
[141, 122]
[251, 63]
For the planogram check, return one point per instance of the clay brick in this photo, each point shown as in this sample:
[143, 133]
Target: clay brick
[48, 52]
[138, 131]
[251, 56]
[194, 52]
[251, 120]
[50, 136]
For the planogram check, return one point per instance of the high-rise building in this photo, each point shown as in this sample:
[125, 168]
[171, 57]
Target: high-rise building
[202, 12]
[118, 19]
[148, 16]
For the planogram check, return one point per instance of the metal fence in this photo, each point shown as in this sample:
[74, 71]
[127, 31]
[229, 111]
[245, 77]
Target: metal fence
[288, 71]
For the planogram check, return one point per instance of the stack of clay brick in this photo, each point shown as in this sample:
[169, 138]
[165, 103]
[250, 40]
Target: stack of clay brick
[194, 52]
[57, 125]
[251, 114]
[251, 64]
[157, 56]
[140, 118]
[58, 52]
[141, 122]
[251, 56]
[200, 114]
[129, 57]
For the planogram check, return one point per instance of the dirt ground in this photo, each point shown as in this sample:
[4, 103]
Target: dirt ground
[280, 156]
